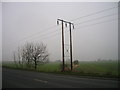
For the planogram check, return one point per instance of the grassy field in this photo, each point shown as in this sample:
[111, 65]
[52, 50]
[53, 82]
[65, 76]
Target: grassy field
[107, 68]
[85, 68]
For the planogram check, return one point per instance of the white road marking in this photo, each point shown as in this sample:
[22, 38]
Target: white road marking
[40, 80]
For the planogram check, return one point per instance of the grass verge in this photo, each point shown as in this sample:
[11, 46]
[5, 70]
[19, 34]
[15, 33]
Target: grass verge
[105, 69]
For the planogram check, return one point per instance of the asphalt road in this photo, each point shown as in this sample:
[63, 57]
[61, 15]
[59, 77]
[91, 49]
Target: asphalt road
[28, 79]
[0, 77]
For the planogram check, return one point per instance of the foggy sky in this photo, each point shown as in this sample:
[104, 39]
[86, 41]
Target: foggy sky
[90, 42]
[0, 31]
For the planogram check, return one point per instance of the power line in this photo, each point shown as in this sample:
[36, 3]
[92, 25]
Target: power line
[94, 13]
[79, 18]
[97, 18]
[32, 36]
[95, 23]
[71, 20]
[50, 35]
[44, 34]
[85, 26]
[81, 23]
[44, 37]
[44, 30]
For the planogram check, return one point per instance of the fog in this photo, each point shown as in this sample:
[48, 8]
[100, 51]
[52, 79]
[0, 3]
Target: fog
[0, 31]
[93, 37]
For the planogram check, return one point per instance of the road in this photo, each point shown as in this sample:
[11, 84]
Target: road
[0, 77]
[27, 79]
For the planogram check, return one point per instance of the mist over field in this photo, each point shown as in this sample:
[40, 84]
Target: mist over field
[0, 45]
[36, 22]
[34, 55]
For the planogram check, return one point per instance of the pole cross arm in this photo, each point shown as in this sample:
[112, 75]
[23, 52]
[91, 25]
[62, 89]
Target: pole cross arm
[66, 22]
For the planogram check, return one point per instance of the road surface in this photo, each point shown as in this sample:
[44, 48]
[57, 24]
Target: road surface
[27, 79]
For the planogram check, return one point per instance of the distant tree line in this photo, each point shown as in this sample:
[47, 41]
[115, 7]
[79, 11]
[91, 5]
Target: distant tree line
[30, 55]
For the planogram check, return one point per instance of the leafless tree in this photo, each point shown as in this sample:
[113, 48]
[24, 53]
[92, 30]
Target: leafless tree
[26, 54]
[17, 58]
[40, 54]
[34, 54]
[15, 61]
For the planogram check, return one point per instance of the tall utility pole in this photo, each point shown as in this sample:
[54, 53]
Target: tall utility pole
[70, 24]
[62, 42]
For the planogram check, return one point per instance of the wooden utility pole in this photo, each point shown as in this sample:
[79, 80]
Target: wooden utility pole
[70, 24]
[62, 43]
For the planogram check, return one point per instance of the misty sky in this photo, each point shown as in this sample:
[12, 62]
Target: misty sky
[95, 36]
[0, 31]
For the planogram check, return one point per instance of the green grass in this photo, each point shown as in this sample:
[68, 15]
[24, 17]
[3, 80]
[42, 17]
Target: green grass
[106, 68]
[49, 67]
[85, 68]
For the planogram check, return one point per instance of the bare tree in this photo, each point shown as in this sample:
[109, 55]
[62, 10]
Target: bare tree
[17, 58]
[40, 54]
[15, 61]
[33, 54]
[26, 54]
